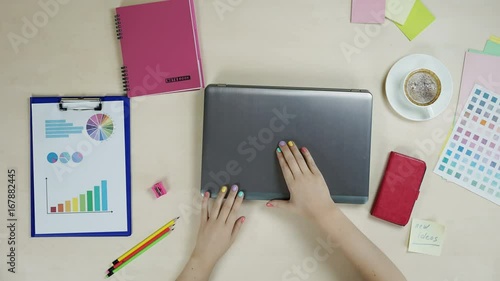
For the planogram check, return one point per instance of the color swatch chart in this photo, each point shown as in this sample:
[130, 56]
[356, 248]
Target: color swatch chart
[91, 201]
[100, 127]
[471, 157]
[60, 129]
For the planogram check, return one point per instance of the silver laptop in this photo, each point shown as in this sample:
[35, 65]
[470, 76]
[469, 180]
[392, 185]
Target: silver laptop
[243, 125]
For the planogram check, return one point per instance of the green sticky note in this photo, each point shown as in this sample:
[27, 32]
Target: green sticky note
[475, 51]
[492, 48]
[418, 20]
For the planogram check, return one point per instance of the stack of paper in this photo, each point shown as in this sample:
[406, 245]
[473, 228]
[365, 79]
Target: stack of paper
[410, 16]
[480, 67]
[471, 157]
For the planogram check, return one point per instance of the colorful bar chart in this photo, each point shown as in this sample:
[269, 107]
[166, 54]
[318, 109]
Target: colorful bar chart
[91, 201]
[60, 129]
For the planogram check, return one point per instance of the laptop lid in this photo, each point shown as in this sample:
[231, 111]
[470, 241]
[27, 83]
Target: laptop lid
[243, 125]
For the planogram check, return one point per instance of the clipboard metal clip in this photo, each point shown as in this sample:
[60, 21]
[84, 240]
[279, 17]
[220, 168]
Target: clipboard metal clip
[80, 104]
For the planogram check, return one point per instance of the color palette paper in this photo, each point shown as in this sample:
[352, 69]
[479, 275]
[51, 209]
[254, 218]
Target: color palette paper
[471, 157]
[478, 69]
[418, 20]
[426, 237]
[368, 11]
[399, 10]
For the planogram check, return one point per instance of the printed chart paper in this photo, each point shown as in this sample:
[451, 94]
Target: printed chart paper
[471, 157]
[79, 169]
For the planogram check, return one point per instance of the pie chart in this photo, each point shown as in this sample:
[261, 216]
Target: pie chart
[64, 157]
[52, 157]
[77, 157]
[100, 127]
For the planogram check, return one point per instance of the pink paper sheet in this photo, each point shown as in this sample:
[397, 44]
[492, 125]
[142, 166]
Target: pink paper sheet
[481, 69]
[368, 11]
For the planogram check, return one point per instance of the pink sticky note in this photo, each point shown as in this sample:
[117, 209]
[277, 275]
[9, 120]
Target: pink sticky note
[478, 69]
[368, 11]
[158, 189]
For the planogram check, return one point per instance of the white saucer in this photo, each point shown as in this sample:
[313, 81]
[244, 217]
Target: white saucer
[395, 93]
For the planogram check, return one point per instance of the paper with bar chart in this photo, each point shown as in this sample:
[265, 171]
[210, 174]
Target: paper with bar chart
[80, 172]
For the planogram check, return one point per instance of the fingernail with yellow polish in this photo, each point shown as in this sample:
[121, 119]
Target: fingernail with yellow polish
[290, 143]
[223, 189]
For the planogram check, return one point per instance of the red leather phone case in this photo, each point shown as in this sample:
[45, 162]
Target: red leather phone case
[399, 188]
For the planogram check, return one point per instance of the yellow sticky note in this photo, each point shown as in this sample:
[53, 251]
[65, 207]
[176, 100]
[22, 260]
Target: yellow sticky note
[426, 237]
[495, 39]
[418, 20]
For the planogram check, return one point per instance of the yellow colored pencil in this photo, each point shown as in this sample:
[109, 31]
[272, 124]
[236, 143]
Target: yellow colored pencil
[167, 225]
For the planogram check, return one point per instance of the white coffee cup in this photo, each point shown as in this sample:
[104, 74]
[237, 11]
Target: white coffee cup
[422, 88]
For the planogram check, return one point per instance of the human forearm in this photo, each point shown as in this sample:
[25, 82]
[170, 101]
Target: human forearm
[197, 270]
[218, 230]
[372, 263]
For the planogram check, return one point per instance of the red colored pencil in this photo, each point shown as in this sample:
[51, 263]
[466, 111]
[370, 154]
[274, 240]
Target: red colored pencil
[124, 260]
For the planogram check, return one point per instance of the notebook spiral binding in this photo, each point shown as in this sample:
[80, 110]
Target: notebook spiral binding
[118, 24]
[126, 85]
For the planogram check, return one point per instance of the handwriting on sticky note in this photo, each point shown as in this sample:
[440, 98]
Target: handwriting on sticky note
[426, 237]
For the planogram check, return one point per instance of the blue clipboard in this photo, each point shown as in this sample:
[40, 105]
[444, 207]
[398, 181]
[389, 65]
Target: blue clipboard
[78, 103]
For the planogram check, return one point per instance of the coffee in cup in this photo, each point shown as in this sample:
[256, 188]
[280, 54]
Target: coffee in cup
[422, 87]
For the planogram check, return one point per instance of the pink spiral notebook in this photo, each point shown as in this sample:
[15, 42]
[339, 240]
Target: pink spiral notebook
[160, 50]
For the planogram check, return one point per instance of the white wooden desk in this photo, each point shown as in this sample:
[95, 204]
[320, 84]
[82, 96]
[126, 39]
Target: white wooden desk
[282, 42]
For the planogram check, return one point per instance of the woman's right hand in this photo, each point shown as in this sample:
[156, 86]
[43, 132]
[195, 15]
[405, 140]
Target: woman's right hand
[309, 194]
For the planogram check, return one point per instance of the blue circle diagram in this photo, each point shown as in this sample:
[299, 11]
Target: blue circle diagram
[77, 157]
[64, 157]
[52, 157]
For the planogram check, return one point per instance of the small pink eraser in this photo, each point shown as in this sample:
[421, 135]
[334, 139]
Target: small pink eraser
[158, 189]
